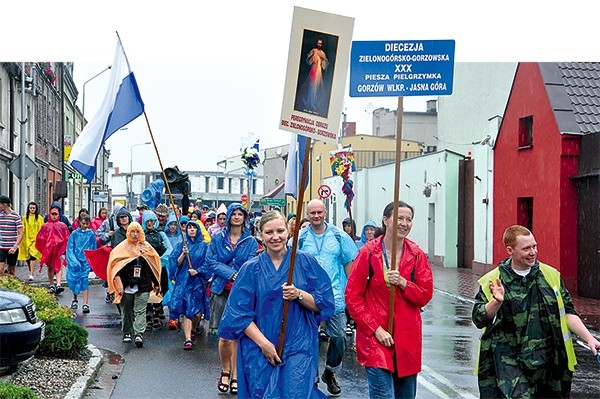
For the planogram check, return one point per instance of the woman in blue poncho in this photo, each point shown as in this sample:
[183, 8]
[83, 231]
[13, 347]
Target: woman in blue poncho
[229, 250]
[189, 288]
[254, 312]
[78, 267]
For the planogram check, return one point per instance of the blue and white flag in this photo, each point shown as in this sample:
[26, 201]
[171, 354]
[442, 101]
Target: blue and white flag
[294, 165]
[121, 105]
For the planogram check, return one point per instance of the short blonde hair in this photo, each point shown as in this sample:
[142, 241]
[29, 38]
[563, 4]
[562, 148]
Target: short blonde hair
[510, 235]
[271, 215]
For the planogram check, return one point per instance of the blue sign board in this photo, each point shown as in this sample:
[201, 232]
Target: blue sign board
[401, 68]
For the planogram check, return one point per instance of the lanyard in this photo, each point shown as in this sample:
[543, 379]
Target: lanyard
[386, 263]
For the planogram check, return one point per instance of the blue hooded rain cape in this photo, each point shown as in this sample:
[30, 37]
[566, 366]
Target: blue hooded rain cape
[257, 297]
[78, 267]
[224, 260]
[188, 297]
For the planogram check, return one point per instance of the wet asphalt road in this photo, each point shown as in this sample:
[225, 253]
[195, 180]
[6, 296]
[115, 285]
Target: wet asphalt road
[162, 369]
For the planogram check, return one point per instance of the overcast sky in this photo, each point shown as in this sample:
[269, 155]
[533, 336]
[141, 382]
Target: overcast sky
[210, 73]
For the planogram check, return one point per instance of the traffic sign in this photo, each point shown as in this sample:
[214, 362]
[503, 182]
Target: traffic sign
[401, 68]
[273, 201]
[244, 197]
[15, 166]
[324, 191]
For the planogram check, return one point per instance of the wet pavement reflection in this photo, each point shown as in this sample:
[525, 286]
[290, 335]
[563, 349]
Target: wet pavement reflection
[450, 343]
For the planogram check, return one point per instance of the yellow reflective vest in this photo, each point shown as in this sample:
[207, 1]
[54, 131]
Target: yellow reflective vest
[552, 276]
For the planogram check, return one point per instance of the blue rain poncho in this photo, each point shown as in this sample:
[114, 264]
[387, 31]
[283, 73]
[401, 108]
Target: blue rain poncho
[78, 267]
[257, 297]
[188, 297]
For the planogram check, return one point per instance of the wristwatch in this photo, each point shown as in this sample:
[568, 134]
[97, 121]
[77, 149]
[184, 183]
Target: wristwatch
[300, 295]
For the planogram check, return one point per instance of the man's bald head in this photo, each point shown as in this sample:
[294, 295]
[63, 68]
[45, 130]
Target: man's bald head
[315, 212]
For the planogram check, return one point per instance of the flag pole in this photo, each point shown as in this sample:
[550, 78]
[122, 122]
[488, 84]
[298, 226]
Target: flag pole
[168, 187]
[162, 169]
[395, 213]
[286, 302]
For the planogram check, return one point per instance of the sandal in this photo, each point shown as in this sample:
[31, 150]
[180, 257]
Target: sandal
[86, 308]
[224, 388]
[188, 345]
[232, 387]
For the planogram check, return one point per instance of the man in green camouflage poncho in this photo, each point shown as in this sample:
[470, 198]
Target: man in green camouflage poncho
[526, 313]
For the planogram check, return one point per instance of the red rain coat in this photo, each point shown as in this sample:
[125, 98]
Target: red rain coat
[367, 301]
[51, 241]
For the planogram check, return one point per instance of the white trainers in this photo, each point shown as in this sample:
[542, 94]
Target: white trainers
[30, 277]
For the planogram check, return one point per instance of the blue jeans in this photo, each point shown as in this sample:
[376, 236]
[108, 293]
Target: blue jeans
[336, 329]
[384, 384]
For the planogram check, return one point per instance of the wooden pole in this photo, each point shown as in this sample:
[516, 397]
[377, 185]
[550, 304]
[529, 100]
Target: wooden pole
[169, 191]
[394, 231]
[286, 303]
[161, 165]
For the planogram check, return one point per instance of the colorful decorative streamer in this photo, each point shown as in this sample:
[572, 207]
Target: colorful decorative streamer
[342, 164]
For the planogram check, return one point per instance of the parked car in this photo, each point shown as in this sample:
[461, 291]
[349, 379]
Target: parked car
[20, 330]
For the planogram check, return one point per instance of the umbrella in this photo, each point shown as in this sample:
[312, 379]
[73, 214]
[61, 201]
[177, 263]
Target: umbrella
[98, 259]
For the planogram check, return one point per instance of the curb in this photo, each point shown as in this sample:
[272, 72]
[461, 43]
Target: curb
[80, 386]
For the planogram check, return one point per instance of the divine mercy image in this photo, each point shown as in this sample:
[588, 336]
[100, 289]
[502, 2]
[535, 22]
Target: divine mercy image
[315, 73]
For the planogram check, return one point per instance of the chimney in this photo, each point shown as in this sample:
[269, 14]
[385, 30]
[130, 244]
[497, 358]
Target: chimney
[431, 106]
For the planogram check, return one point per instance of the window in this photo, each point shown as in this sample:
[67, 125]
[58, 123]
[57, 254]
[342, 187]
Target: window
[525, 212]
[220, 183]
[230, 181]
[207, 184]
[525, 132]
[242, 185]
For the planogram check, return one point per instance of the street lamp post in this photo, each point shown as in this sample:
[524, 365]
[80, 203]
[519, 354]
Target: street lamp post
[130, 195]
[84, 123]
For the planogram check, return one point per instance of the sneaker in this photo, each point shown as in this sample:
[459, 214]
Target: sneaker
[52, 289]
[173, 324]
[74, 304]
[188, 345]
[127, 338]
[156, 324]
[86, 308]
[30, 277]
[332, 385]
[107, 298]
[59, 289]
[139, 340]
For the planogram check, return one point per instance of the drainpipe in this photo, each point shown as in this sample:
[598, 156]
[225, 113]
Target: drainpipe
[22, 144]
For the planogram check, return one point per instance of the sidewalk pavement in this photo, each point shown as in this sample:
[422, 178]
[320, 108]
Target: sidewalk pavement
[463, 282]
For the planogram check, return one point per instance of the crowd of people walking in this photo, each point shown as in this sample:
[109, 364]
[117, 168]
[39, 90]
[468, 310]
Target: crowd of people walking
[237, 273]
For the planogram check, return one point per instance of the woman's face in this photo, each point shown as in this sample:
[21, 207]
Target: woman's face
[274, 234]
[404, 222]
[237, 218]
[369, 232]
[32, 208]
[191, 230]
[221, 219]
[134, 236]
[103, 213]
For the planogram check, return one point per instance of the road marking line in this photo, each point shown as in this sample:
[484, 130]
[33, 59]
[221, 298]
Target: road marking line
[433, 389]
[461, 391]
